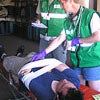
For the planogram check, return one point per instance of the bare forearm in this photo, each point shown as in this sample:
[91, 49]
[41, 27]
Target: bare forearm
[38, 20]
[55, 43]
[92, 39]
[62, 67]
[39, 17]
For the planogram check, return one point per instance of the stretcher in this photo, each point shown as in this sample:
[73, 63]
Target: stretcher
[17, 90]
[88, 92]
[8, 71]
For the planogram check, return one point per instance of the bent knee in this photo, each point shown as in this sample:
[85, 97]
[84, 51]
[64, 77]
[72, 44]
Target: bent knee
[94, 85]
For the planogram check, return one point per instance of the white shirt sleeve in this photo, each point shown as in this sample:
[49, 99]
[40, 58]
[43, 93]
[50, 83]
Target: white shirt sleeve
[63, 31]
[38, 8]
[95, 23]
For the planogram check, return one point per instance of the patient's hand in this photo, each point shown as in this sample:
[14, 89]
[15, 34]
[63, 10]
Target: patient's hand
[25, 71]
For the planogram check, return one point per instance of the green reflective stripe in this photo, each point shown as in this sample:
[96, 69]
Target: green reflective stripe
[54, 20]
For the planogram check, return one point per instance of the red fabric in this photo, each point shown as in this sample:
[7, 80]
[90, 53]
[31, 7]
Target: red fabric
[32, 96]
[88, 92]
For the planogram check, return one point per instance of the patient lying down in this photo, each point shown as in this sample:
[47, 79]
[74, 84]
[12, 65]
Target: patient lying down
[50, 79]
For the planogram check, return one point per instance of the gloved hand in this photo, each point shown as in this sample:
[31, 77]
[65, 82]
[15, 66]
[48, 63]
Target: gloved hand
[75, 41]
[38, 56]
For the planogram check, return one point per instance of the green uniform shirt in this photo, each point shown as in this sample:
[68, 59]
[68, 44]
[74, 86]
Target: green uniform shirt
[53, 16]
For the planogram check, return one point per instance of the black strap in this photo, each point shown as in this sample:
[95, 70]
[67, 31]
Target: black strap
[78, 60]
[48, 15]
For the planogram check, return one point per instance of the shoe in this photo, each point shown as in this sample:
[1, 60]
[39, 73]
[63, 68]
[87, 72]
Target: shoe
[20, 50]
[2, 52]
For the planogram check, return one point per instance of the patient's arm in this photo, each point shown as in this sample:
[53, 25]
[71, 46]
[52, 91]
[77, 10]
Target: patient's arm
[48, 63]
[25, 71]
[62, 67]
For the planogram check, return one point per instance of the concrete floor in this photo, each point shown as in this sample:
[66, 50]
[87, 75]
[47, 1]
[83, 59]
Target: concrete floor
[11, 43]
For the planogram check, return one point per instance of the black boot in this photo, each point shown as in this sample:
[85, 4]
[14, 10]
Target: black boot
[2, 52]
[20, 50]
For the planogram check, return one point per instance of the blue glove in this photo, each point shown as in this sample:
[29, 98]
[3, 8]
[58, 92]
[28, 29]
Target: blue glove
[75, 41]
[38, 56]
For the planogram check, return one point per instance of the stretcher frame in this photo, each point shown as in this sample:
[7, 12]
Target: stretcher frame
[13, 88]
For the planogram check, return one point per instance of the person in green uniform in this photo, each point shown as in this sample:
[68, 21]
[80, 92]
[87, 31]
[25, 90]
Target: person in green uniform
[82, 31]
[52, 15]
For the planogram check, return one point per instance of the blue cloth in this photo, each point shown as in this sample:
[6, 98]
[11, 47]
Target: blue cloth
[89, 74]
[41, 86]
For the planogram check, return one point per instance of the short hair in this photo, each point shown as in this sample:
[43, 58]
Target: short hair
[72, 94]
[76, 1]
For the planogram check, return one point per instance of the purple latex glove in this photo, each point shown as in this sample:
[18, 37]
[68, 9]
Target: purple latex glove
[75, 41]
[38, 56]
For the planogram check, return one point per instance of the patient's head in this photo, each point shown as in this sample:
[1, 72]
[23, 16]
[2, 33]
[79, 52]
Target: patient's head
[66, 90]
[72, 94]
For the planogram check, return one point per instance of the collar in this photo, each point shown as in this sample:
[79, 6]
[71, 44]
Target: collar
[74, 16]
[50, 1]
